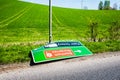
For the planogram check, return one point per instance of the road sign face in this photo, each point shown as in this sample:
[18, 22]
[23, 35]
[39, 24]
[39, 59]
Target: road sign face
[58, 53]
[59, 50]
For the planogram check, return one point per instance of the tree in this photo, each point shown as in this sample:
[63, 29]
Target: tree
[119, 7]
[85, 7]
[115, 6]
[100, 6]
[107, 5]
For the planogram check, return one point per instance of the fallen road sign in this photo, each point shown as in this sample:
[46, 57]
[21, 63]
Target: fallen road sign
[59, 50]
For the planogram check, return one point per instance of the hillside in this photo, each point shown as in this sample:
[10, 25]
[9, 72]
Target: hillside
[23, 24]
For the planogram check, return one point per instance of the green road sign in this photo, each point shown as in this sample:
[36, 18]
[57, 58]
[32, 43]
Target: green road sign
[59, 50]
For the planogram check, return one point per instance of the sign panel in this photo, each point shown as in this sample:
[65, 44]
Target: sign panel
[59, 50]
[58, 53]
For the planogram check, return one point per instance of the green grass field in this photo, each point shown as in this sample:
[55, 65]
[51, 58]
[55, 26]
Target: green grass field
[24, 26]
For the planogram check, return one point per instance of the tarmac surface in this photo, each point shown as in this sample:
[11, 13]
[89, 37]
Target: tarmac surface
[104, 66]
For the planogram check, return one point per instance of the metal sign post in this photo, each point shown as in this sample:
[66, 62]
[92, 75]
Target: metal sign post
[50, 21]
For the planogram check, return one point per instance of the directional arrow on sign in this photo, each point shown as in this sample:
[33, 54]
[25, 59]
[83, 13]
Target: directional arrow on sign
[78, 51]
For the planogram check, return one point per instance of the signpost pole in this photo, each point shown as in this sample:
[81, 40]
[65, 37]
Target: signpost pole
[50, 21]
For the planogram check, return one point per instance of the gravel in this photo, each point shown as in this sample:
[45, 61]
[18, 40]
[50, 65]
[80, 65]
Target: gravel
[104, 66]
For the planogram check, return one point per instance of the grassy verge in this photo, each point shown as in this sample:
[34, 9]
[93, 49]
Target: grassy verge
[19, 52]
[15, 53]
[100, 47]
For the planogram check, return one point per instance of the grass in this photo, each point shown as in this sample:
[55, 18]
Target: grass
[100, 47]
[15, 53]
[23, 24]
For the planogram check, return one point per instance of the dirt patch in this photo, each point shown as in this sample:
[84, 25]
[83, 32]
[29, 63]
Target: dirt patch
[11, 67]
